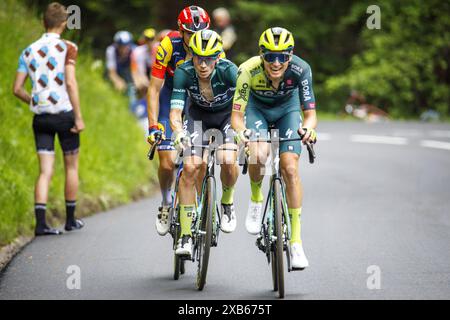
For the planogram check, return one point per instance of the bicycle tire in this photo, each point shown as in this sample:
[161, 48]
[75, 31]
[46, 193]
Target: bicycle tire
[279, 245]
[274, 271]
[176, 259]
[206, 238]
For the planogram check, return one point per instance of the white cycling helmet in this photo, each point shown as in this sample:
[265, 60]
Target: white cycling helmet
[123, 38]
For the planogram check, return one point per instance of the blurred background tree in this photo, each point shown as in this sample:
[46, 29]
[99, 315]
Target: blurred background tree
[402, 68]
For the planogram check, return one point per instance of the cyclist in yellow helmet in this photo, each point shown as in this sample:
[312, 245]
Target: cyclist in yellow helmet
[271, 89]
[209, 113]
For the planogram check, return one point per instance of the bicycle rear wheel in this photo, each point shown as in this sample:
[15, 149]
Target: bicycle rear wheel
[206, 230]
[278, 233]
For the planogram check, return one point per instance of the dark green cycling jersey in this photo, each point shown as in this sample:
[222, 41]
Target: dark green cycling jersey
[252, 80]
[223, 84]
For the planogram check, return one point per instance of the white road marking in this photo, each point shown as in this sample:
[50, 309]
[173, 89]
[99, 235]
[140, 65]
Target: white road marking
[439, 134]
[435, 144]
[378, 139]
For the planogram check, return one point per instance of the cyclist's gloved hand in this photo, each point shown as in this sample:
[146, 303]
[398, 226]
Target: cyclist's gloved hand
[242, 137]
[155, 133]
[308, 135]
[182, 141]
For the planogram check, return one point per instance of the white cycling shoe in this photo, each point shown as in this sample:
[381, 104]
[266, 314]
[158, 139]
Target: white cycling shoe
[253, 218]
[184, 246]
[228, 220]
[298, 257]
[163, 220]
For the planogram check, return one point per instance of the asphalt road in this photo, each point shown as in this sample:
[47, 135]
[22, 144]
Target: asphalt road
[377, 199]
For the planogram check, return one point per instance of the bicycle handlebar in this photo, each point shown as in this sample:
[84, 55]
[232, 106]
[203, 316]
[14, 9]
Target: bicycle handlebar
[309, 146]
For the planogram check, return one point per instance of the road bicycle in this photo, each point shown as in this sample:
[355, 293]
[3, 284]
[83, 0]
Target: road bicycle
[276, 226]
[206, 222]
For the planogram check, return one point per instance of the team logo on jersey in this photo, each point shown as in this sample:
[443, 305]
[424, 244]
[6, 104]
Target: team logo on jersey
[161, 54]
[237, 107]
[243, 92]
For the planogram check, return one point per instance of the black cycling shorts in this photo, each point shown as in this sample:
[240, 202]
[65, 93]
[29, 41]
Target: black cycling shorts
[202, 124]
[46, 126]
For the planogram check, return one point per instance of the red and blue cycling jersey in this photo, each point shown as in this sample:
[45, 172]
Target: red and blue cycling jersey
[170, 54]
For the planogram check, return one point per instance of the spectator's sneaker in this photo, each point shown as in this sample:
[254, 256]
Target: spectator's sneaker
[228, 221]
[74, 225]
[253, 219]
[184, 246]
[46, 231]
[298, 257]
[162, 220]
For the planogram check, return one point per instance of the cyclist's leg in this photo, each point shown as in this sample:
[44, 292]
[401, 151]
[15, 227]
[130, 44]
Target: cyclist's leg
[259, 151]
[229, 170]
[187, 192]
[166, 151]
[192, 162]
[289, 164]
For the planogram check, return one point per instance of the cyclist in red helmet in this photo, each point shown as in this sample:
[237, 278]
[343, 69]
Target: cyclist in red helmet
[172, 52]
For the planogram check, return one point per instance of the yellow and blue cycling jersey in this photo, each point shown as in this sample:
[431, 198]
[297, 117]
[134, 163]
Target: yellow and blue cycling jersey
[265, 106]
[252, 80]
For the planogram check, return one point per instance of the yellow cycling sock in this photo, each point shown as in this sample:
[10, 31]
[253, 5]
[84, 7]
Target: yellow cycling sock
[295, 216]
[186, 217]
[256, 187]
[227, 194]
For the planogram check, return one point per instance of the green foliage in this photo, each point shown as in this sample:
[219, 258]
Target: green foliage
[113, 166]
[404, 67]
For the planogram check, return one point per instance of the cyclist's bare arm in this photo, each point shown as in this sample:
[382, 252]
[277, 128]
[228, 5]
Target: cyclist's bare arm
[153, 100]
[237, 121]
[19, 87]
[310, 119]
[118, 82]
[176, 122]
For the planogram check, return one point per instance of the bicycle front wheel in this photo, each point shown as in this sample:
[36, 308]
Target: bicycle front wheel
[278, 233]
[205, 232]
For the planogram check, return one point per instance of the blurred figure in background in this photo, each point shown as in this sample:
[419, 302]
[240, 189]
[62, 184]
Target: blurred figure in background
[223, 26]
[358, 107]
[118, 63]
[142, 60]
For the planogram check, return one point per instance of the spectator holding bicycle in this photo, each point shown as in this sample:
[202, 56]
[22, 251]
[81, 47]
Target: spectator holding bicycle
[50, 64]
[271, 89]
[209, 114]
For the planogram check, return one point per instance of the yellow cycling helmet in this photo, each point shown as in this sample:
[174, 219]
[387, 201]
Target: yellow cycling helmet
[206, 43]
[149, 33]
[276, 39]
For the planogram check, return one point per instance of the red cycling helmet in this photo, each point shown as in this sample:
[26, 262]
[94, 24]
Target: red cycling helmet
[193, 19]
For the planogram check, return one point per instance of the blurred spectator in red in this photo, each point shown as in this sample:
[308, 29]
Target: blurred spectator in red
[359, 108]
[223, 26]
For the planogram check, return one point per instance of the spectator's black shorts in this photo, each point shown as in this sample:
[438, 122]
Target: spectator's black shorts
[46, 126]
